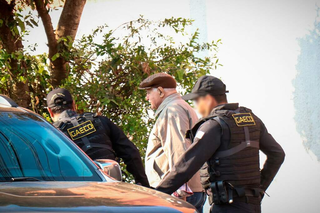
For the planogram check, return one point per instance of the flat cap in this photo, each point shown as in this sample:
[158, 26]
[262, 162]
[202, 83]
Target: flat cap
[158, 80]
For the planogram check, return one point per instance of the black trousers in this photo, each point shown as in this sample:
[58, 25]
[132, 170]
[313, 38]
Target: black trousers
[236, 207]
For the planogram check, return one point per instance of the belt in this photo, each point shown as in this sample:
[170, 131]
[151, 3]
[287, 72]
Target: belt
[246, 192]
[251, 196]
[249, 200]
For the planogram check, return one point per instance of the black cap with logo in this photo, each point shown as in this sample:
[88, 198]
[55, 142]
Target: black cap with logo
[59, 97]
[206, 85]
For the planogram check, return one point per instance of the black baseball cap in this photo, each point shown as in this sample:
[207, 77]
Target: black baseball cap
[59, 97]
[206, 85]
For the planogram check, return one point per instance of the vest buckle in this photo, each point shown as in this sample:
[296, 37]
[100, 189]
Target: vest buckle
[217, 161]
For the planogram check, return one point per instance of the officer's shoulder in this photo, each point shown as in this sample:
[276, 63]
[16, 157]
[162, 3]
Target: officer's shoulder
[248, 110]
[210, 125]
[90, 115]
[102, 117]
[256, 118]
[245, 109]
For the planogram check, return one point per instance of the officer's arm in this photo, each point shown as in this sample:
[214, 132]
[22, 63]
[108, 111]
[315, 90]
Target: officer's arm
[128, 152]
[205, 144]
[275, 157]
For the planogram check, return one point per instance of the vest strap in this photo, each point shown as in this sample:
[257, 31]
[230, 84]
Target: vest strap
[97, 145]
[243, 145]
[236, 149]
[246, 133]
[225, 128]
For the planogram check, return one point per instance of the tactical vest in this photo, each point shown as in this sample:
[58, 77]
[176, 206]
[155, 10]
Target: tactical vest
[237, 159]
[88, 132]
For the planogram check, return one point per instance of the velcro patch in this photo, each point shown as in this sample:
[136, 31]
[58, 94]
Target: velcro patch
[244, 119]
[82, 130]
[199, 134]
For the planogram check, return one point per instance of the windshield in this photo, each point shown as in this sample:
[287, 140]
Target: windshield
[30, 147]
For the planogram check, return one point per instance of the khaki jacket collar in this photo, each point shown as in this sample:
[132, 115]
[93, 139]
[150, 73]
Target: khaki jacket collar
[166, 101]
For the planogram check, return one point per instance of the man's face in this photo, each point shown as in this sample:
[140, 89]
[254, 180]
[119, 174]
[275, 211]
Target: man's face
[153, 96]
[203, 105]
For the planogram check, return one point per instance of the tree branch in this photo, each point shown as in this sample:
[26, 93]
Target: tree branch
[67, 26]
[58, 66]
[70, 18]
[47, 23]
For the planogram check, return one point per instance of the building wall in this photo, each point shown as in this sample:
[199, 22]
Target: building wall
[271, 58]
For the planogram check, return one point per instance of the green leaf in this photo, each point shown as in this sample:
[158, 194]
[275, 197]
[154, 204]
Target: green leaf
[3, 79]
[34, 22]
[21, 78]
[55, 56]
[29, 24]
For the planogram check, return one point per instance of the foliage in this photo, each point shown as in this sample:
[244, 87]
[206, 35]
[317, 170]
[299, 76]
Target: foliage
[33, 70]
[106, 67]
[12, 30]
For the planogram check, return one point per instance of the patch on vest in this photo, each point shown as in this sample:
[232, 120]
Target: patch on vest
[199, 134]
[244, 119]
[82, 130]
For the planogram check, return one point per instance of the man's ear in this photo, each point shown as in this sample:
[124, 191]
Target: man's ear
[161, 92]
[213, 103]
[50, 112]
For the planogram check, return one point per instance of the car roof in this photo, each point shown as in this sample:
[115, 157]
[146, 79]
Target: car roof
[8, 105]
[6, 101]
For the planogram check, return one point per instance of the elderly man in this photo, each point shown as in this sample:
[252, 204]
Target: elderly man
[167, 140]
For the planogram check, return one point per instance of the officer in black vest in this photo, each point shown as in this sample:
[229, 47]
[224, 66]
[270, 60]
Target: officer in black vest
[97, 136]
[226, 144]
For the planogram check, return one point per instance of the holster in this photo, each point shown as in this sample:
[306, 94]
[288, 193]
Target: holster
[222, 193]
[225, 193]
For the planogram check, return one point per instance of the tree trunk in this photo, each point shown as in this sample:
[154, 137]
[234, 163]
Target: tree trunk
[70, 18]
[18, 90]
[58, 69]
[67, 27]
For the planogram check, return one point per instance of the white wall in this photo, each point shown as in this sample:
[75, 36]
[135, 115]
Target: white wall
[259, 53]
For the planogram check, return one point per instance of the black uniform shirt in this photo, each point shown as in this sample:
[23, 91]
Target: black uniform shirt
[204, 147]
[122, 147]
[127, 151]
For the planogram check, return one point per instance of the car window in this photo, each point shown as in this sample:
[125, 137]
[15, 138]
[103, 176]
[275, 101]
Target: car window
[30, 147]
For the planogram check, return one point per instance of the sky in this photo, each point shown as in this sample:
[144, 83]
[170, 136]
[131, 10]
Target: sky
[270, 55]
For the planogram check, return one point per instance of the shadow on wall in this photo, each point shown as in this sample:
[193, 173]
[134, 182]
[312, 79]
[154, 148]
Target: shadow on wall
[307, 89]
